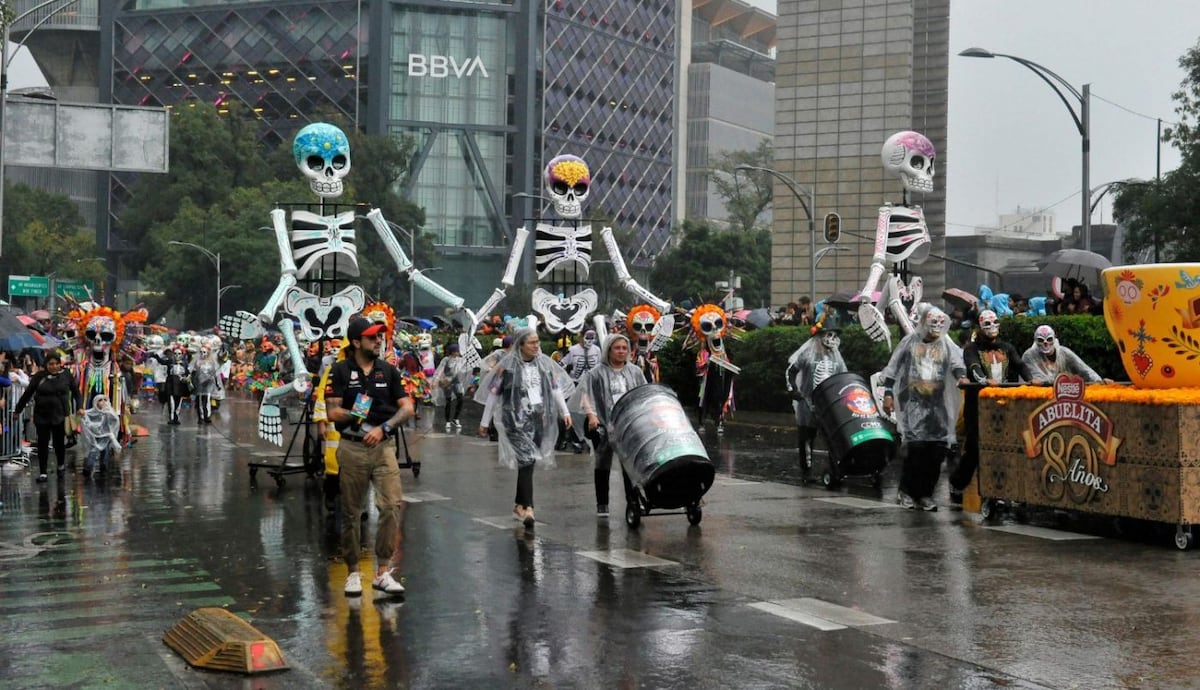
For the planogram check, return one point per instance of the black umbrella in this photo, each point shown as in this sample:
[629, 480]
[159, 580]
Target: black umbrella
[844, 300]
[1078, 262]
[14, 335]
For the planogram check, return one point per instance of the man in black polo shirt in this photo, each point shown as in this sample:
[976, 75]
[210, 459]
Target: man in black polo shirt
[366, 401]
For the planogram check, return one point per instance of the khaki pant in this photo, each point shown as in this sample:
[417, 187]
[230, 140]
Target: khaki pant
[358, 467]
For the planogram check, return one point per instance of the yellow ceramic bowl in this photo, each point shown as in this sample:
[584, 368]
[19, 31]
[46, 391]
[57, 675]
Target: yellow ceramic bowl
[1153, 313]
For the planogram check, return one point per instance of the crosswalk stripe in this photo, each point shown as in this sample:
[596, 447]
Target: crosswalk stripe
[57, 599]
[105, 560]
[118, 579]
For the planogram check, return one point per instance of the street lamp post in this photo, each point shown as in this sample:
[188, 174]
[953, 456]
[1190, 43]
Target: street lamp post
[809, 209]
[216, 260]
[8, 17]
[1082, 120]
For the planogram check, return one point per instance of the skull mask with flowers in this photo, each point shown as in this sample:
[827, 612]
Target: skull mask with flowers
[322, 154]
[989, 324]
[568, 182]
[101, 334]
[710, 325]
[934, 324]
[640, 324]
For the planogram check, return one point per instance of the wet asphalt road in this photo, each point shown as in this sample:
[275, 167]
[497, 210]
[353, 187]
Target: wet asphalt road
[780, 586]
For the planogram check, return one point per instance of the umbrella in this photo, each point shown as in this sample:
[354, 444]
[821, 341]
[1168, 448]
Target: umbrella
[14, 335]
[843, 299]
[41, 315]
[759, 318]
[1067, 262]
[960, 298]
[27, 319]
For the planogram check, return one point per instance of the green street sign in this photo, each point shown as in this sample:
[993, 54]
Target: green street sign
[75, 289]
[28, 286]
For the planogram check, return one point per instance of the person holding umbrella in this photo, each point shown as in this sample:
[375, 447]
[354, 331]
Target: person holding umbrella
[54, 395]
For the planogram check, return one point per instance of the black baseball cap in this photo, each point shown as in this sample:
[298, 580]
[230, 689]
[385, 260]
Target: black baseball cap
[360, 327]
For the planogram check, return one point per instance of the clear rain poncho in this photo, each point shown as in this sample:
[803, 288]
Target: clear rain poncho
[599, 389]
[100, 427]
[452, 375]
[808, 366]
[526, 400]
[923, 377]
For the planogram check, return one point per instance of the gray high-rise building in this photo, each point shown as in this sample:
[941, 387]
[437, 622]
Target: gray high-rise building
[849, 74]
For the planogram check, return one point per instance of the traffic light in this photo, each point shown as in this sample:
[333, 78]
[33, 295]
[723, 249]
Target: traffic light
[833, 228]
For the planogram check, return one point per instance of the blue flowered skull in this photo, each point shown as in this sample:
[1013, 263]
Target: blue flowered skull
[322, 153]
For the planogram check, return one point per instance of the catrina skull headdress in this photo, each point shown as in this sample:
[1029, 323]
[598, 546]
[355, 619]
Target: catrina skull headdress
[640, 321]
[711, 325]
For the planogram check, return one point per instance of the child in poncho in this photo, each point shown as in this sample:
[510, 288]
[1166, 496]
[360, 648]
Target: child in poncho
[100, 425]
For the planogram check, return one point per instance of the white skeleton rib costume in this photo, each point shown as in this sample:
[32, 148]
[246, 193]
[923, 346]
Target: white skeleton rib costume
[319, 250]
[563, 245]
[901, 235]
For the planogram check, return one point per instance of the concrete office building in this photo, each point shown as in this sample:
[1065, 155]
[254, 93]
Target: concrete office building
[849, 74]
[731, 94]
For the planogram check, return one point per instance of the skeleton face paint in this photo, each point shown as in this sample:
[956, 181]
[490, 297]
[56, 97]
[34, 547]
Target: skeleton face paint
[989, 323]
[1045, 340]
[831, 340]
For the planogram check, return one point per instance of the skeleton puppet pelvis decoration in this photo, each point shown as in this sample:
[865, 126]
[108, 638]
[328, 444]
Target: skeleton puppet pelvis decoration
[901, 235]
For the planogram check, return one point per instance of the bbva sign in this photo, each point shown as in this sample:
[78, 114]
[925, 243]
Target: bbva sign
[442, 66]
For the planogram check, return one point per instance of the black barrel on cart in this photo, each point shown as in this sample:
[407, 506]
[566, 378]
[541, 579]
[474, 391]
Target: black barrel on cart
[658, 448]
[860, 439]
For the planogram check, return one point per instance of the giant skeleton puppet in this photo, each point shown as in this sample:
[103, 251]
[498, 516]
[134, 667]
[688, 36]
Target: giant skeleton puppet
[901, 236]
[318, 250]
[565, 244]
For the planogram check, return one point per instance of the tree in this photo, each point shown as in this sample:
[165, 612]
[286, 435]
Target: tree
[45, 233]
[1161, 216]
[211, 155]
[705, 255]
[746, 193]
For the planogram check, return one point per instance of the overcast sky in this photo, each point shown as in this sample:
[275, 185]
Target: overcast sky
[1011, 141]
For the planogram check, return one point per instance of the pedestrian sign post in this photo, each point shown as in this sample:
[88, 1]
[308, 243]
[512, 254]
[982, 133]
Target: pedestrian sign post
[28, 286]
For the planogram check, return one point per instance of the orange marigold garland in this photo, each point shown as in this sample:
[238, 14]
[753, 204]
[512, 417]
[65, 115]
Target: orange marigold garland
[1101, 393]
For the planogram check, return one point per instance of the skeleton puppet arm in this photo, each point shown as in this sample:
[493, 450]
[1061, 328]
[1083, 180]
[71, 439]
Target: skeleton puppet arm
[405, 264]
[627, 281]
[287, 268]
[467, 344]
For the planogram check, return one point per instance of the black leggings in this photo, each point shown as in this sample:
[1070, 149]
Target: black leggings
[454, 403]
[525, 486]
[46, 433]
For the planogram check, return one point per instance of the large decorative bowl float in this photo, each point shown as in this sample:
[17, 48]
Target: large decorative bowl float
[1153, 314]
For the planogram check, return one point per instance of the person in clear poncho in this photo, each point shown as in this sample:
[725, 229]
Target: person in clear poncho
[816, 360]
[921, 386]
[1046, 359]
[206, 371]
[524, 396]
[100, 424]
[596, 393]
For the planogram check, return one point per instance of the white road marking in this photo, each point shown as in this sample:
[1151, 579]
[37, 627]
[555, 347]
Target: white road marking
[1042, 532]
[626, 558]
[852, 502]
[819, 614]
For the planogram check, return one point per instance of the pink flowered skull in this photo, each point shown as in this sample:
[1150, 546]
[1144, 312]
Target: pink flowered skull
[909, 156]
[101, 333]
[568, 181]
[989, 323]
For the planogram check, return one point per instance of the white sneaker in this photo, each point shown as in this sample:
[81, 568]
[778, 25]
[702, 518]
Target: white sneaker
[354, 584]
[448, 425]
[386, 583]
[457, 425]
